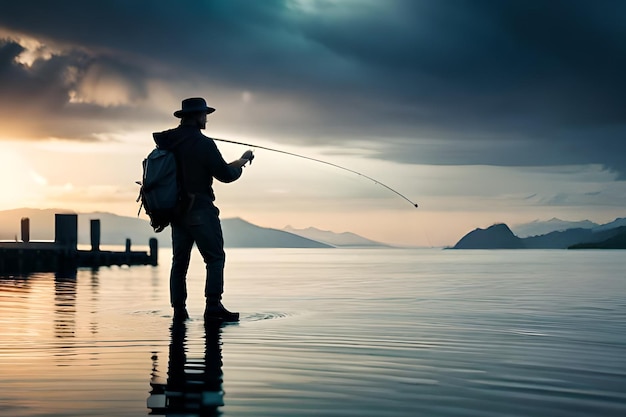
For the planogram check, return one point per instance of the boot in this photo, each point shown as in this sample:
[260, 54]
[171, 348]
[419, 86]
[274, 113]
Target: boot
[217, 311]
[180, 314]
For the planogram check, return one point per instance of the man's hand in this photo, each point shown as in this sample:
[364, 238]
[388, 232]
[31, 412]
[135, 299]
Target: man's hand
[248, 155]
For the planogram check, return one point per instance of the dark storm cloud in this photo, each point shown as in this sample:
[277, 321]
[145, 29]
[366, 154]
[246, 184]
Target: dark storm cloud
[35, 99]
[514, 82]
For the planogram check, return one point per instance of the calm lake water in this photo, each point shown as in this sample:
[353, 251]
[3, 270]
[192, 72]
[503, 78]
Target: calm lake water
[331, 332]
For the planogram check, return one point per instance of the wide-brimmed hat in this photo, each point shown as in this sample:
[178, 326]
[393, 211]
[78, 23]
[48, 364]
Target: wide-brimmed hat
[193, 105]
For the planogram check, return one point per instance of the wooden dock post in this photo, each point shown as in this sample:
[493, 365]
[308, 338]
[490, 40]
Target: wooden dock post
[25, 229]
[95, 235]
[154, 251]
[66, 239]
[128, 252]
[66, 231]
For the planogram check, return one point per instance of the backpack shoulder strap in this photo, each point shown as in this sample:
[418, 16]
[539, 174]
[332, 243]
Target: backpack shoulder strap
[179, 166]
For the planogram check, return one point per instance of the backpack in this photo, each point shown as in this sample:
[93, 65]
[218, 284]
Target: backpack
[161, 191]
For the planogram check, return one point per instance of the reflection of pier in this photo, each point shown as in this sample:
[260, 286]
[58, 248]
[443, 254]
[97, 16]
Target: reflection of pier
[194, 386]
[64, 305]
[26, 256]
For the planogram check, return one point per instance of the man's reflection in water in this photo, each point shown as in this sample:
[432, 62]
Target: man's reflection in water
[194, 386]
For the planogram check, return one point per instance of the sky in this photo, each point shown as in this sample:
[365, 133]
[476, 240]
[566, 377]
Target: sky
[480, 111]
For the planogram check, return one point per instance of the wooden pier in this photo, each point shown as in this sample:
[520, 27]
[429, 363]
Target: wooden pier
[63, 253]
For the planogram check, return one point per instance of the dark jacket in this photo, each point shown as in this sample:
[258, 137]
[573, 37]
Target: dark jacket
[198, 159]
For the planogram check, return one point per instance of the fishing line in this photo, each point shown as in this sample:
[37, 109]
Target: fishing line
[321, 162]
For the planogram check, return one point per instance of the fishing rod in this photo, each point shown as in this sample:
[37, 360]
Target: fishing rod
[321, 162]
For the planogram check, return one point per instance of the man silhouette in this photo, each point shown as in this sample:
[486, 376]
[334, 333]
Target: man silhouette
[198, 161]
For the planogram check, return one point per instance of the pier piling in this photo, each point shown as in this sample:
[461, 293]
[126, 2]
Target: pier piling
[66, 232]
[94, 225]
[154, 251]
[25, 226]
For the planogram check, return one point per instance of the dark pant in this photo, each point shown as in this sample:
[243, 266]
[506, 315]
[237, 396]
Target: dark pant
[201, 225]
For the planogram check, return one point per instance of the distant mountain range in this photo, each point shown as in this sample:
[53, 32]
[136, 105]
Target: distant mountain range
[345, 239]
[538, 227]
[116, 229]
[239, 233]
[499, 236]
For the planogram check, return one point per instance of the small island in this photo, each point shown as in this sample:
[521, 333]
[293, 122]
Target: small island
[500, 236]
